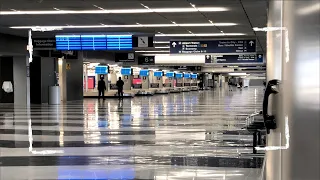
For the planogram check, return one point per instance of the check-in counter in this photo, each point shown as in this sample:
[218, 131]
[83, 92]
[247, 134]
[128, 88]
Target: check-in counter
[194, 82]
[186, 82]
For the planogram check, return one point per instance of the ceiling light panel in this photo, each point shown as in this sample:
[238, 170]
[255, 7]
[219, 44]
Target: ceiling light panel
[115, 11]
[127, 26]
[201, 34]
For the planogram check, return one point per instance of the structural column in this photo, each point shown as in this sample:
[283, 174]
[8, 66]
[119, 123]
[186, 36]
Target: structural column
[293, 57]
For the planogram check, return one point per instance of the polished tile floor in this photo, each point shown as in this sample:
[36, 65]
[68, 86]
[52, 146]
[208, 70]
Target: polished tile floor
[192, 136]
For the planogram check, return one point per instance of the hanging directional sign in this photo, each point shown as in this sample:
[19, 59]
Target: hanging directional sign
[213, 46]
[235, 59]
[146, 60]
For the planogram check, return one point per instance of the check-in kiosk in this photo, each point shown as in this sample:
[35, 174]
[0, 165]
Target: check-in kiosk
[159, 80]
[194, 82]
[127, 79]
[170, 82]
[145, 83]
[187, 82]
[179, 80]
[92, 78]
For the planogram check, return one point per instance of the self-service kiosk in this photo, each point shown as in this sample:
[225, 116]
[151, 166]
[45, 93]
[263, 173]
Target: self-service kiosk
[170, 82]
[127, 79]
[179, 81]
[187, 82]
[159, 80]
[145, 83]
[194, 82]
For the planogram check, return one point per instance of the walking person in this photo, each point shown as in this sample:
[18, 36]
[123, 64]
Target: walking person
[240, 84]
[230, 85]
[101, 87]
[120, 84]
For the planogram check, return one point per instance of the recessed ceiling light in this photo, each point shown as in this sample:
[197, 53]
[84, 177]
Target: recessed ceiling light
[56, 9]
[118, 11]
[128, 26]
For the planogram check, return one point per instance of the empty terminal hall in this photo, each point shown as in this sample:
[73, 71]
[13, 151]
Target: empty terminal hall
[159, 89]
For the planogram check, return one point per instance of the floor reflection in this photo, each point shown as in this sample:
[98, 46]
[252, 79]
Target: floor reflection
[192, 135]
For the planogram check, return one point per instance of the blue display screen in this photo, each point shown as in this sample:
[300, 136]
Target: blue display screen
[119, 42]
[187, 76]
[179, 75]
[102, 70]
[126, 71]
[158, 73]
[93, 42]
[144, 72]
[170, 74]
[68, 42]
[194, 76]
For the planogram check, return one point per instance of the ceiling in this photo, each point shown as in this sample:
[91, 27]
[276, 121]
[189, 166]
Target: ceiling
[245, 13]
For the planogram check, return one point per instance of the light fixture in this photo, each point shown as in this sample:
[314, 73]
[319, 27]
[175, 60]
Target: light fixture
[161, 42]
[117, 11]
[162, 47]
[202, 35]
[137, 25]
[152, 51]
[98, 7]
[237, 74]
[266, 29]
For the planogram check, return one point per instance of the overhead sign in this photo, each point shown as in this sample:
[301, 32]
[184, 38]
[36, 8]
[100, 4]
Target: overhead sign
[44, 43]
[124, 57]
[142, 41]
[213, 46]
[235, 59]
[188, 68]
[146, 60]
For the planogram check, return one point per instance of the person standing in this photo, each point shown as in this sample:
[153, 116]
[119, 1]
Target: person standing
[120, 84]
[230, 85]
[101, 87]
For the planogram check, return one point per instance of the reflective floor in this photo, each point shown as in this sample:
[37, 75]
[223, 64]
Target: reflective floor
[192, 135]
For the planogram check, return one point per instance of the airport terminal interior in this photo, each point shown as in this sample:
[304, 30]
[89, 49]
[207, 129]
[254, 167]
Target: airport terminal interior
[159, 89]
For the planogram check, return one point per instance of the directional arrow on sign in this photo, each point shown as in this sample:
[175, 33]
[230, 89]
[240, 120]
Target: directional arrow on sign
[174, 44]
[251, 43]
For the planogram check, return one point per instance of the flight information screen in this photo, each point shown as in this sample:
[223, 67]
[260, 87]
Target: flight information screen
[119, 42]
[93, 42]
[68, 42]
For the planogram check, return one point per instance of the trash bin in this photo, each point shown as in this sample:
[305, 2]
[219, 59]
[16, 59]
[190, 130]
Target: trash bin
[54, 95]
